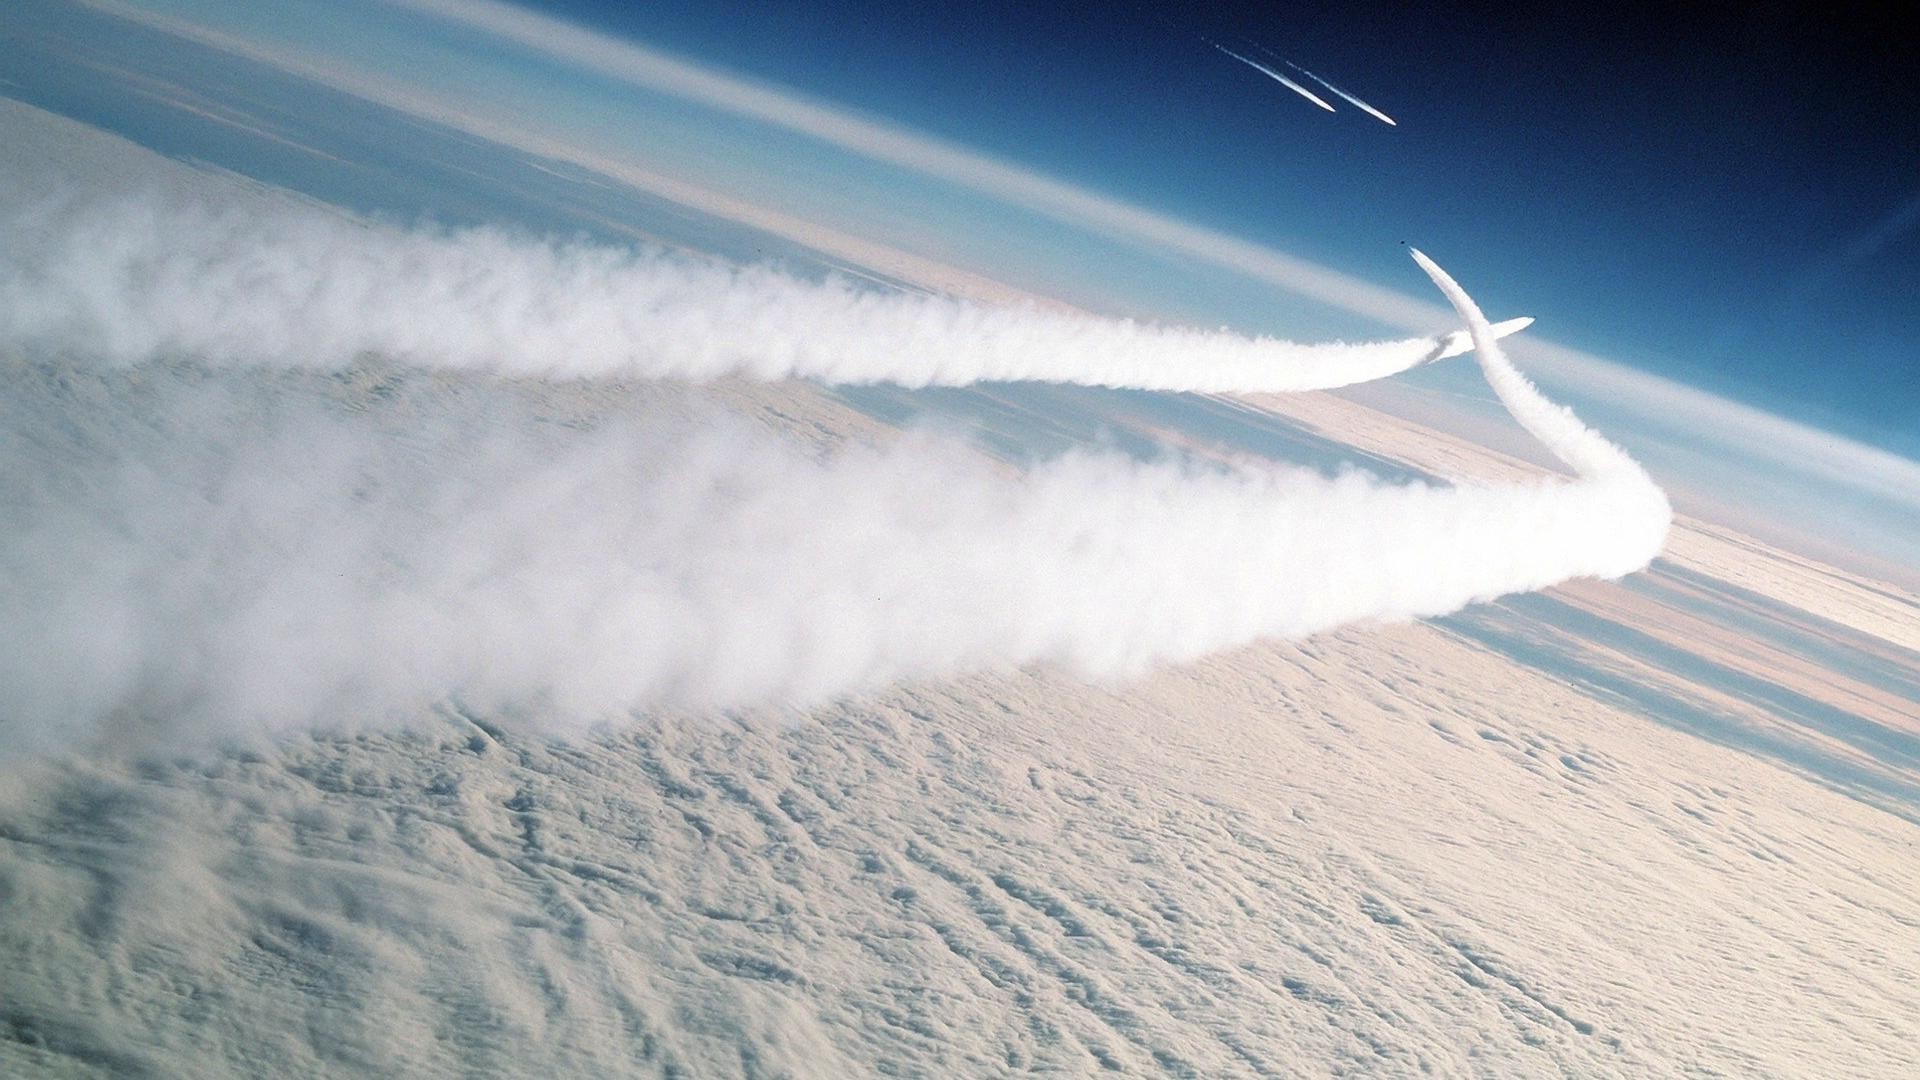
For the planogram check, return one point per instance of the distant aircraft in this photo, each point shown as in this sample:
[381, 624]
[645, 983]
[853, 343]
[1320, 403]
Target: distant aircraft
[1460, 343]
[1363, 106]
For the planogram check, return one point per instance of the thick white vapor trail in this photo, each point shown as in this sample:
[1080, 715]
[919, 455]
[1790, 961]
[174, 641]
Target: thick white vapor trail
[1586, 450]
[1630, 513]
[1277, 77]
[130, 280]
[1350, 99]
[217, 512]
[264, 551]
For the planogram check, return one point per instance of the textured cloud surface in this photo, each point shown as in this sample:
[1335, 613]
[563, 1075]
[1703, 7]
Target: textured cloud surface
[1386, 851]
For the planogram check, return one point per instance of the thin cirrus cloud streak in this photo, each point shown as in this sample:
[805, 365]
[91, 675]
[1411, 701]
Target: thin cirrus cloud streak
[127, 279]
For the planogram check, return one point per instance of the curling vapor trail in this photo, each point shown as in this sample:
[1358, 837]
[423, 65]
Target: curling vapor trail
[132, 280]
[1276, 76]
[1638, 514]
[1586, 450]
[1363, 106]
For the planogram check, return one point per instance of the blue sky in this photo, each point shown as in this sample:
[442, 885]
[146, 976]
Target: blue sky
[1733, 201]
[1135, 115]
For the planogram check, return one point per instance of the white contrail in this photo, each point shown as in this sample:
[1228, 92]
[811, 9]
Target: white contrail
[250, 550]
[260, 550]
[1363, 106]
[1276, 76]
[1557, 428]
[129, 280]
[275, 531]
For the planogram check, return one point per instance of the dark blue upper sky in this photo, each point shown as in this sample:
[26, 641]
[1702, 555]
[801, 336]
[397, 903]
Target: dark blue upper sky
[1732, 198]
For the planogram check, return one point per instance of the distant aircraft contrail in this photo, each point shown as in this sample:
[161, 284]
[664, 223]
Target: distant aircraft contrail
[1363, 106]
[1277, 77]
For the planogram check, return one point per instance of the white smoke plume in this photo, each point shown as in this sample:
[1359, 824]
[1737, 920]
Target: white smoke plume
[247, 526]
[132, 279]
[1557, 428]
[238, 553]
